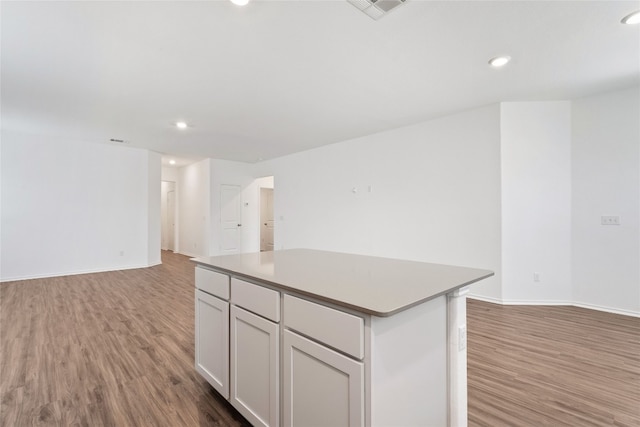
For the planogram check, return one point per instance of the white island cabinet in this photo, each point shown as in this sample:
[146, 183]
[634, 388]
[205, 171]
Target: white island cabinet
[212, 329]
[319, 338]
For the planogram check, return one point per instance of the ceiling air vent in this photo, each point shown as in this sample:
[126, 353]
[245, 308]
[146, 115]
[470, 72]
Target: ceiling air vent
[376, 9]
[119, 141]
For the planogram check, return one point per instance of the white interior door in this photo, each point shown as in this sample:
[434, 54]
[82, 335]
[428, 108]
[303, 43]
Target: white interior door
[171, 220]
[266, 219]
[230, 219]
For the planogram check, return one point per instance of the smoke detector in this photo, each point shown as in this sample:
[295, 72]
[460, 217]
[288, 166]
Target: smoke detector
[376, 9]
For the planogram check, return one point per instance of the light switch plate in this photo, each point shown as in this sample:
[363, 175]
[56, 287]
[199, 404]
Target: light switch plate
[610, 220]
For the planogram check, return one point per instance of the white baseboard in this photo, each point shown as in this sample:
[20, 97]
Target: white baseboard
[190, 255]
[608, 309]
[572, 303]
[74, 273]
[485, 299]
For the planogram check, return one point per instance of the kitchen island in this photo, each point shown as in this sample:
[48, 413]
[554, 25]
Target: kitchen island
[303, 337]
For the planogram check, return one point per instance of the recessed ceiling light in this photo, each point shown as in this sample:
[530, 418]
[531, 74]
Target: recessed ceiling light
[499, 61]
[181, 125]
[240, 2]
[172, 162]
[632, 18]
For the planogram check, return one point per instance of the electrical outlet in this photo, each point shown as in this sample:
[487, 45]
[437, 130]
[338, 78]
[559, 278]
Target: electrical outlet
[462, 337]
[610, 220]
[536, 276]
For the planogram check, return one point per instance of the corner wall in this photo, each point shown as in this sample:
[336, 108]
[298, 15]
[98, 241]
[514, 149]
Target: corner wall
[536, 202]
[606, 181]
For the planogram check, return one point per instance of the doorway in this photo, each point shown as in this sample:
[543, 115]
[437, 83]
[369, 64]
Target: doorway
[266, 227]
[266, 219]
[168, 215]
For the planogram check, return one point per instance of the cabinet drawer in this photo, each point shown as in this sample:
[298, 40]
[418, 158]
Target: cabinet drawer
[337, 329]
[212, 282]
[257, 299]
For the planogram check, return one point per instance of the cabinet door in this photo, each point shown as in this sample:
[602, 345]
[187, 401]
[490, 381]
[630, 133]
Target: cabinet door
[255, 385]
[212, 341]
[321, 387]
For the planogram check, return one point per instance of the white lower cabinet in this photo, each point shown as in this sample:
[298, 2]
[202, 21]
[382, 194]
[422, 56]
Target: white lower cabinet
[321, 386]
[212, 341]
[238, 348]
[255, 385]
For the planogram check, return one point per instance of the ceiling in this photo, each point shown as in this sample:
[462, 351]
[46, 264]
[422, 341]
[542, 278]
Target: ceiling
[277, 77]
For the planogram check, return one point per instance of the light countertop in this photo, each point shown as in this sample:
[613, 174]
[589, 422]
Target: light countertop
[372, 285]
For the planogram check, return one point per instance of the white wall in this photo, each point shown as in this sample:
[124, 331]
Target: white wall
[517, 188]
[74, 207]
[435, 194]
[536, 201]
[606, 181]
[194, 219]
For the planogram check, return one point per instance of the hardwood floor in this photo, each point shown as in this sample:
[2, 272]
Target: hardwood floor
[107, 349]
[117, 349]
[552, 366]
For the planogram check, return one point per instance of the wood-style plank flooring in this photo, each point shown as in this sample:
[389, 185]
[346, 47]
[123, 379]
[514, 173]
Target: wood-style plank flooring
[117, 349]
[106, 349]
[552, 366]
